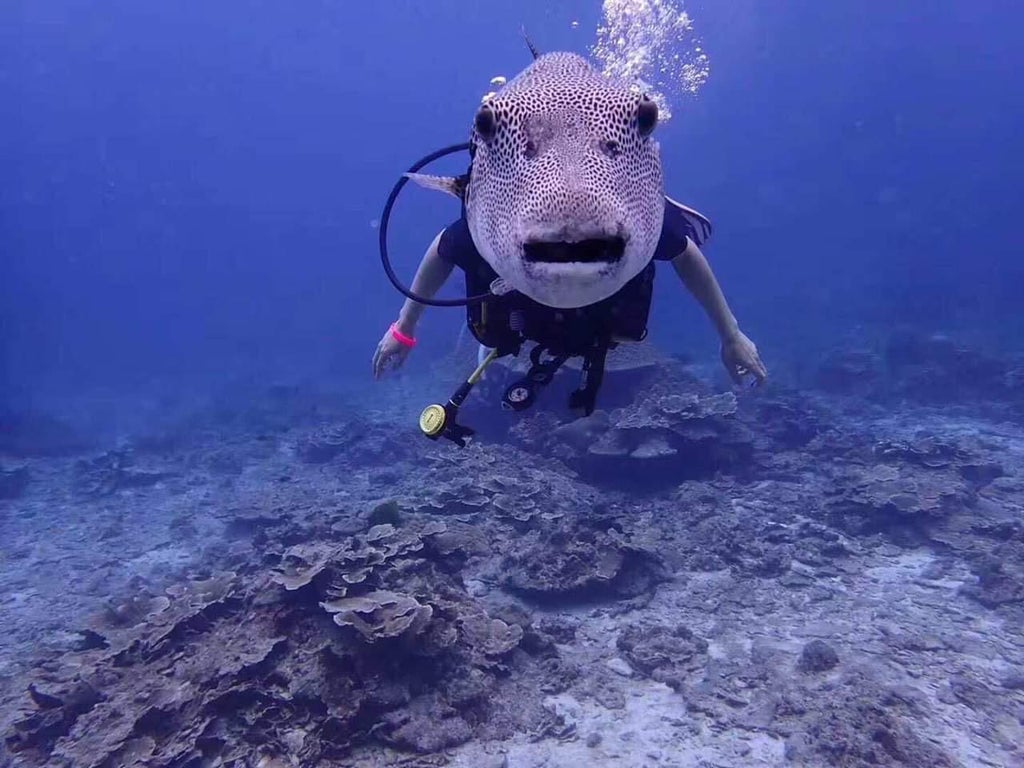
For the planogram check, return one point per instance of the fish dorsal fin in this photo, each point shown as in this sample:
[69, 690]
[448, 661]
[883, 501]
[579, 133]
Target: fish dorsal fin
[529, 43]
[452, 185]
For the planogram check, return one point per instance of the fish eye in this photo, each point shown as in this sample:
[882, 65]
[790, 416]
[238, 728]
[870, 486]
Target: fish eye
[646, 115]
[486, 122]
[611, 147]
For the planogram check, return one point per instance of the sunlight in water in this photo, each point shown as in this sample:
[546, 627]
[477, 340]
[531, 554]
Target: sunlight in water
[652, 42]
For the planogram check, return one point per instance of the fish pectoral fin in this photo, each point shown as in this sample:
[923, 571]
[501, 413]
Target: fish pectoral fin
[453, 185]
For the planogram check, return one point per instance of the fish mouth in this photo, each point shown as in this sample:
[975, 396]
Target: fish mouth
[596, 250]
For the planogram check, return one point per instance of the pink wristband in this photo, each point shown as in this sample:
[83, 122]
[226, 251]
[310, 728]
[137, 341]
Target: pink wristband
[401, 338]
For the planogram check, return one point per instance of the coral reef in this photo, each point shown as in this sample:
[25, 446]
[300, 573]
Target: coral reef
[850, 372]
[325, 442]
[358, 440]
[935, 368]
[998, 581]
[924, 368]
[817, 656]
[287, 665]
[499, 480]
[569, 561]
[856, 724]
[111, 472]
[900, 500]
[669, 655]
[689, 576]
[672, 428]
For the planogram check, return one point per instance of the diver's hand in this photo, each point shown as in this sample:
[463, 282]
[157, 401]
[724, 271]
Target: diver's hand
[739, 354]
[390, 354]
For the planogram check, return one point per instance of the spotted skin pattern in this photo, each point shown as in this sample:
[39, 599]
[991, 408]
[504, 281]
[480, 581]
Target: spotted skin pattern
[563, 156]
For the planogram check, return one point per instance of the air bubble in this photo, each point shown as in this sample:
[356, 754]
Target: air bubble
[652, 41]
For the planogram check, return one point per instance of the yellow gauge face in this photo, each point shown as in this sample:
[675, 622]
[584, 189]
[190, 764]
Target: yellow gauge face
[432, 420]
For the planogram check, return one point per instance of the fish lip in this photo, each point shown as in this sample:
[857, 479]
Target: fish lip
[591, 250]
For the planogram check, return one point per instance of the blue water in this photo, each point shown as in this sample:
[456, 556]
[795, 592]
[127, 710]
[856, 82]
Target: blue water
[191, 294]
[188, 189]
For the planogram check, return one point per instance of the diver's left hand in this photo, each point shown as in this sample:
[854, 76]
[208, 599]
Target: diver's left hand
[739, 354]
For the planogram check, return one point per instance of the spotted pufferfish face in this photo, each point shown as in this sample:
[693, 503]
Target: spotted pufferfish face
[566, 197]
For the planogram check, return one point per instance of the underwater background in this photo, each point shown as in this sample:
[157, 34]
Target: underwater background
[191, 293]
[189, 191]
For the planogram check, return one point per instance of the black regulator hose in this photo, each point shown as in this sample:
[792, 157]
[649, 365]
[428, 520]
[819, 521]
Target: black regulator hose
[386, 216]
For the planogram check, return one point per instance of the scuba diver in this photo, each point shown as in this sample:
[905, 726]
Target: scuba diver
[563, 218]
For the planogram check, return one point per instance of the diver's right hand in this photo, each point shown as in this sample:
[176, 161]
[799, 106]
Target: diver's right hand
[741, 359]
[390, 354]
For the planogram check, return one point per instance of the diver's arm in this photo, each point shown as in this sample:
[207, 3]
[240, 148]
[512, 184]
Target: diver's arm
[431, 275]
[695, 272]
[739, 354]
